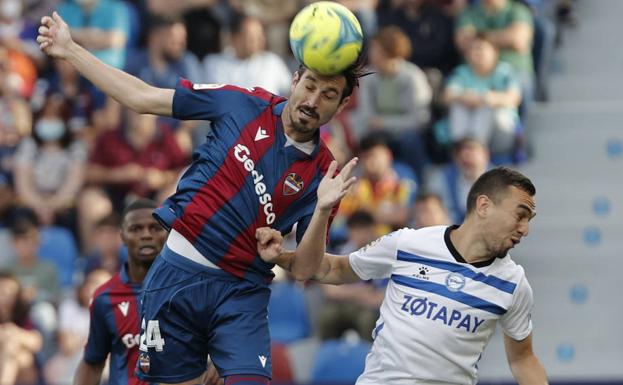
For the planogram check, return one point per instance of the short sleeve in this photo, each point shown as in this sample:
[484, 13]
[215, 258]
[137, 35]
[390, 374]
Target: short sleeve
[376, 260]
[456, 82]
[26, 152]
[99, 341]
[208, 101]
[516, 322]
[520, 14]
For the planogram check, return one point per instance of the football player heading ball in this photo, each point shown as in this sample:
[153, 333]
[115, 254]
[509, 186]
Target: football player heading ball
[209, 268]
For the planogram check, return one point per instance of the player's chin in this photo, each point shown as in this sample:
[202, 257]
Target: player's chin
[305, 126]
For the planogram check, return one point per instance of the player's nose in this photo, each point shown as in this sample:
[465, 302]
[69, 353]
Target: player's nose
[314, 99]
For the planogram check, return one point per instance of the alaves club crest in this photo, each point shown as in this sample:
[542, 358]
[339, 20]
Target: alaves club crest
[293, 184]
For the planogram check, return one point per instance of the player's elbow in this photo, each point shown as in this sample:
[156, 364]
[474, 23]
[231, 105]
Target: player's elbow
[302, 275]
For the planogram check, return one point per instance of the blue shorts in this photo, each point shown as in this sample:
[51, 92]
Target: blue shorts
[189, 311]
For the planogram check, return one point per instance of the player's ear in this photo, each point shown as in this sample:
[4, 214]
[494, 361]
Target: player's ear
[122, 234]
[483, 204]
[343, 103]
[295, 80]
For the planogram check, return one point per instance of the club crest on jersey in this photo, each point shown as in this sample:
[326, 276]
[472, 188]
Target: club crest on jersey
[143, 362]
[293, 184]
[455, 281]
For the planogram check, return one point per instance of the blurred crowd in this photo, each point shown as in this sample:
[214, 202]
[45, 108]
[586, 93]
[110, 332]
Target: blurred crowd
[452, 84]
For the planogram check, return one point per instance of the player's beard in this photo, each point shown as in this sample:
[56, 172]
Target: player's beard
[300, 127]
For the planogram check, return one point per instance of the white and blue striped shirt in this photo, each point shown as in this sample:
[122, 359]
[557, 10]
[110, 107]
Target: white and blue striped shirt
[439, 311]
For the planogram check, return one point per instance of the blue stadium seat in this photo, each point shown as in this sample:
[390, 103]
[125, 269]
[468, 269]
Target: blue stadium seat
[287, 313]
[58, 246]
[339, 361]
[134, 17]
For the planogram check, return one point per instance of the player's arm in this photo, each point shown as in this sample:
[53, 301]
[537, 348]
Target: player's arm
[311, 249]
[55, 40]
[98, 346]
[88, 374]
[334, 269]
[525, 366]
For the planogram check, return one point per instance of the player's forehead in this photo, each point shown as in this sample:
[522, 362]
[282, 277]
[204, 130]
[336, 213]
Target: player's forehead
[139, 217]
[338, 82]
[519, 199]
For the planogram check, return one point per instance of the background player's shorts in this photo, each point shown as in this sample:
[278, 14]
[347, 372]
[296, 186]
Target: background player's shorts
[190, 311]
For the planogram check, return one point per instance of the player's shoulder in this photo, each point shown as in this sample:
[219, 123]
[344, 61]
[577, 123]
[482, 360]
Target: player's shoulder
[242, 92]
[324, 157]
[114, 283]
[506, 268]
[423, 233]
[425, 241]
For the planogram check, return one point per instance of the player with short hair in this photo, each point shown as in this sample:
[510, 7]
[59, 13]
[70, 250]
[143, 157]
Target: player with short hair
[449, 287]
[114, 324]
[262, 165]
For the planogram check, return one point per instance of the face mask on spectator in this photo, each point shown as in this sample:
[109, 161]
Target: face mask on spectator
[10, 9]
[50, 129]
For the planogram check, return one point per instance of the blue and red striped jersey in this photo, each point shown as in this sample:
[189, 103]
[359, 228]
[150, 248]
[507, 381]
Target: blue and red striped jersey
[243, 177]
[115, 328]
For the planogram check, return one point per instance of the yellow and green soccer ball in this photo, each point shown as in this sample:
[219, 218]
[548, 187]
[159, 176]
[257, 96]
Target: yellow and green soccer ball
[326, 37]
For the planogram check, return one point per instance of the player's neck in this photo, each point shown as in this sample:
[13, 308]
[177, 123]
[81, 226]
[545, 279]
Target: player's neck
[467, 241]
[137, 271]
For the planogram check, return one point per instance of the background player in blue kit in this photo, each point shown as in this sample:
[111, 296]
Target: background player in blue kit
[114, 325]
[262, 165]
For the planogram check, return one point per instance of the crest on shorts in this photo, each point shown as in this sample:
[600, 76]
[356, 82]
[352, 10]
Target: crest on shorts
[293, 184]
[143, 362]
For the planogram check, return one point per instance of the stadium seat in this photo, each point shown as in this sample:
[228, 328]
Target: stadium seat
[287, 313]
[59, 247]
[282, 371]
[339, 361]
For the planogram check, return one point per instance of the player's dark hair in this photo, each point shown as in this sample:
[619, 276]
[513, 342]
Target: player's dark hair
[495, 183]
[360, 218]
[138, 204]
[351, 74]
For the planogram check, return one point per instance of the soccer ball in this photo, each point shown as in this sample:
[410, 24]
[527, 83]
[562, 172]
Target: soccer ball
[326, 37]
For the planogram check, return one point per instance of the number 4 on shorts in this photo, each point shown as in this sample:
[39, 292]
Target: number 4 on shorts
[151, 338]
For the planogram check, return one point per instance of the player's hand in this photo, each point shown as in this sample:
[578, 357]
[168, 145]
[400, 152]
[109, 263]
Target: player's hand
[212, 377]
[333, 187]
[54, 38]
[269, 244]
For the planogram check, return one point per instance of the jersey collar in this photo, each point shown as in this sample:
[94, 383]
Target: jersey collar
[125, 276]
[292, 150]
